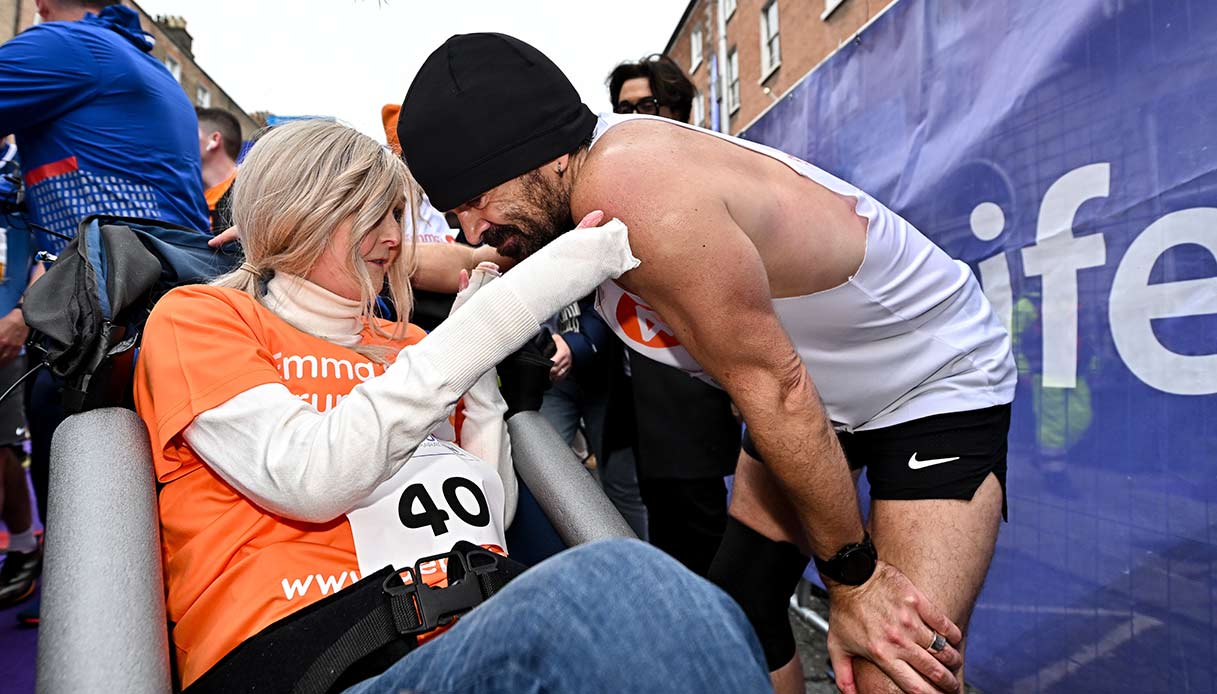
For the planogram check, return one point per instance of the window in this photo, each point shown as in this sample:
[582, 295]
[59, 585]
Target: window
[728, 8]
[202, 97]
[695, 45]
[175, 68]
[771, 44]
[732, 80]
[699, 110]
[829, 6]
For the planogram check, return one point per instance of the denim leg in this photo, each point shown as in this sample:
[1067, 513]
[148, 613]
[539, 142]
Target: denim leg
[611, 616]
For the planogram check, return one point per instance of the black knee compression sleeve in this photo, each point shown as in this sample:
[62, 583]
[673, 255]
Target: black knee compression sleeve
[761, 575]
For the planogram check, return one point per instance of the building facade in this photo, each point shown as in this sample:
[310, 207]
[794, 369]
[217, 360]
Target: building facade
[173, 48]
[743, 55]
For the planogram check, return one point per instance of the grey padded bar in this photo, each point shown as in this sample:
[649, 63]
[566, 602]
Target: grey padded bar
[103, 625]
[572, 500]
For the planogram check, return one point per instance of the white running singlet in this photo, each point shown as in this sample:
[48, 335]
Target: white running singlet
[909, 335]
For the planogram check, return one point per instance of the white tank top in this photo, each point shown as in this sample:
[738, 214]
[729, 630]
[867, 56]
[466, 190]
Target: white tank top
[909, 335]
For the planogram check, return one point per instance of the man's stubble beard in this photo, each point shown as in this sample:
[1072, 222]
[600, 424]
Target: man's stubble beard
[548, 216]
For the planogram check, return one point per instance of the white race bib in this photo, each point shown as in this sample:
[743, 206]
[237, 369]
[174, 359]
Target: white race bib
[442, 495]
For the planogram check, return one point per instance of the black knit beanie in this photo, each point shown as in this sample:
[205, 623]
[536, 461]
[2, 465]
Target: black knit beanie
[484, 109]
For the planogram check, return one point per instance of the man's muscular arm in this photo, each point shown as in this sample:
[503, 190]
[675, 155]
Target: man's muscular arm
[704, 276]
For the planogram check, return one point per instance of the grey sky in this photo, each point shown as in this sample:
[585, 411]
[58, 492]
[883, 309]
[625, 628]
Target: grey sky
[347, 58]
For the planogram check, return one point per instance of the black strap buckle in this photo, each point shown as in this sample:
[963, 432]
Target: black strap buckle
[419, 608]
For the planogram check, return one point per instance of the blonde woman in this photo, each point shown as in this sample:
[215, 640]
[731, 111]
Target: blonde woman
[303, 443]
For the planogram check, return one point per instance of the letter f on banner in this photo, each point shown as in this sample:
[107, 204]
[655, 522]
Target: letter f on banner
[1057, 255]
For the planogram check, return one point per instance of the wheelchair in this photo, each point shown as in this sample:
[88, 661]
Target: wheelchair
[103, 624]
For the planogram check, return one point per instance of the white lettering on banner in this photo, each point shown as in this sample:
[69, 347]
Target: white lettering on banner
[1134, 302]
[1057, 255]
[988, 222]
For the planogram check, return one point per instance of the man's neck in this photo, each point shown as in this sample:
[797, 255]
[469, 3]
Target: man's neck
[216, 171]
[574, 167]
[71, 14]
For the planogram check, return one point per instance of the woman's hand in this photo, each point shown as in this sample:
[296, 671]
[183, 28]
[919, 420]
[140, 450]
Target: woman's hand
[467, 284]
[226, 236]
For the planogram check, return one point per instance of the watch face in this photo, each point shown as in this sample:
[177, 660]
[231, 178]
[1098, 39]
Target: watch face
[857, 567]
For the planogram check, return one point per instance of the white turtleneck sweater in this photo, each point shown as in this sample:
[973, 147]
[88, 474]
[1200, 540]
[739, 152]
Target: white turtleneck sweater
[259, 418]
[315, 466]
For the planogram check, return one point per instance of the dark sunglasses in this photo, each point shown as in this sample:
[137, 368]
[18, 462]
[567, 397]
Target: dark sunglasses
[647, 106]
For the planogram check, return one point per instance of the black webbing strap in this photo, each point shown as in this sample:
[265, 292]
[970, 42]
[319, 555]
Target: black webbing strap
[412, 609]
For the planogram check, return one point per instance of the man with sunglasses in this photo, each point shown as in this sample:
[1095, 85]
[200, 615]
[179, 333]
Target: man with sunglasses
[752, 274]
[653, 86]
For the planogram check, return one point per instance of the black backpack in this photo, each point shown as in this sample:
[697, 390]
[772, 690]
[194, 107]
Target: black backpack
[86, 315]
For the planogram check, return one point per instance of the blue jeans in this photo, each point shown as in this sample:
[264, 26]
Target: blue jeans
[611, 616]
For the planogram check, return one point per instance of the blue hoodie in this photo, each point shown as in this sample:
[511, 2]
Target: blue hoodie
[102, 125]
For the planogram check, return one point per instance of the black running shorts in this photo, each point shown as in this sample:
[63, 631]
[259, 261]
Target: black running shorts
[944, 456]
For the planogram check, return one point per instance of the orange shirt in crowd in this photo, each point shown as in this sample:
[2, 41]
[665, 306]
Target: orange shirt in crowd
[214, 193]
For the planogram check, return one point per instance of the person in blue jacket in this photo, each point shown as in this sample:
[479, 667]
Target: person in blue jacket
[23, 555]
[102, 126]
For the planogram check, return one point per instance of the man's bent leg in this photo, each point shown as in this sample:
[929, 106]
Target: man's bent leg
[611, 616]
[944, 547]
[760, 562]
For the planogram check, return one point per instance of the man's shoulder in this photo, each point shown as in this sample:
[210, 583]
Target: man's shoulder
[52, 41]
[628, 144]
[632, 160]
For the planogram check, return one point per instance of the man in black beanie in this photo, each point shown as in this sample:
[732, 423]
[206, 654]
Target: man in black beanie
[752, 275]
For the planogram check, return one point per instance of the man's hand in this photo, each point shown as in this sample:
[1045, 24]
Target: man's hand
[229, 234]
[890, 623]
[13, 332]
[562, 360]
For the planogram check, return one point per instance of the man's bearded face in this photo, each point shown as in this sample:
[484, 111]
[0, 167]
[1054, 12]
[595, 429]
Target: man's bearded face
[537, 214]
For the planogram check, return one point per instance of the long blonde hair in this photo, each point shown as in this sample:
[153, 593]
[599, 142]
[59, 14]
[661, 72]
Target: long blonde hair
[296, 185]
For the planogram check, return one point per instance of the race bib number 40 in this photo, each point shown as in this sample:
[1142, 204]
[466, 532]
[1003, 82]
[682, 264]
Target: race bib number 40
[442, 495]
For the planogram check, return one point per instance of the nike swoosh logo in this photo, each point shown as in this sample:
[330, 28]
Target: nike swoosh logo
[915, 464]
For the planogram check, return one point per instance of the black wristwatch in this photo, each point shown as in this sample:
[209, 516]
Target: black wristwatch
[853, 565]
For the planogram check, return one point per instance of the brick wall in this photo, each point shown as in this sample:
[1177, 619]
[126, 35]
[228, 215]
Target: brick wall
[702, 16]
[15, 15]
[806, 39]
